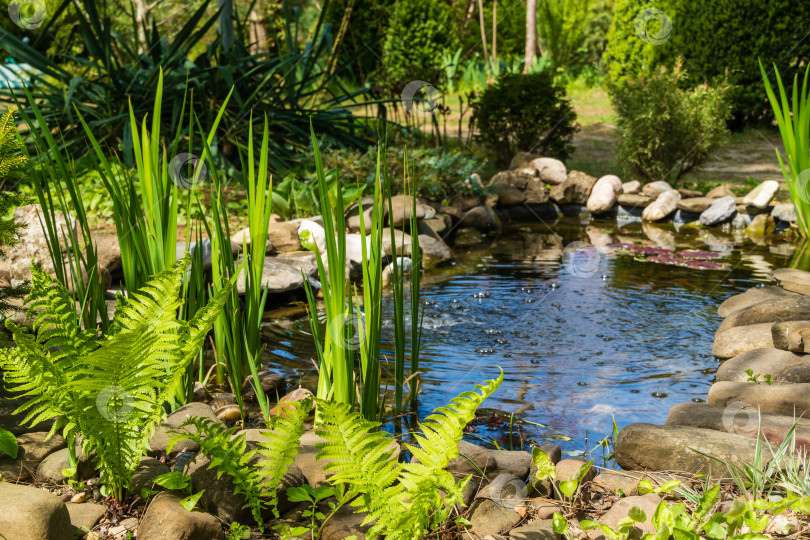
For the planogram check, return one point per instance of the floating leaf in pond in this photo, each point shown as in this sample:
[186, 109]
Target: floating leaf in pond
[698, 254]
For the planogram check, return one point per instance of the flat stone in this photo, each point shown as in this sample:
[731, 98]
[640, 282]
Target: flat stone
[667, 448]
[550, 171]
[488, 517]
[752, 210]
[751, 297]
[402, 206]
[648, 503]
[482, 218]
[506, 490]
[166, 519]
[722, 209]
[536, 530]
[740, 339]
[762, 195]
[781, 398]
[784, 212]
[793, 308]
[481, 458]
[434, 252]
[159, 441]
[28, 512]
[631, 187]
[690, 193]
[567, 468]
[654, 189]
[633, 200]
[740, 419]
[32, 449]
[696, 205]
[793, 336]
[719, 192]
[283, 236]
[574, 190]
[514, 462]
[85, 516]
[144, 476]
[793, 280]
[345, 523]
[783, 365]
[663, 206]
[277, 277]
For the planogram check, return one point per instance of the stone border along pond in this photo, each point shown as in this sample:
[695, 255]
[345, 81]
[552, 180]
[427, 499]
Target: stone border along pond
[765, 332]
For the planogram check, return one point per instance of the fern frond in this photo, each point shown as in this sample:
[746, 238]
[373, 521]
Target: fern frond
[360, 454]
[280, 448]
[229, 455]
[403, 501]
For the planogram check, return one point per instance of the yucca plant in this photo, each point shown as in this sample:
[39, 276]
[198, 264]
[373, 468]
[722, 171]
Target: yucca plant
[793, 119]
[112, 390]
[290, 86]
[402, 500]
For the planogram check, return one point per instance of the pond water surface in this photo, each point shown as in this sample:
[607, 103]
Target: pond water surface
[623, 338]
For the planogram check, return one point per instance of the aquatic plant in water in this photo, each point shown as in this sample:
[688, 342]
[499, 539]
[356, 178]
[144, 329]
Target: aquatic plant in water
[698, 259]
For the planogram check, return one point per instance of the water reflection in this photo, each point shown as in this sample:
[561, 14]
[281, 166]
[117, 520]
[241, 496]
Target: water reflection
[629, 341]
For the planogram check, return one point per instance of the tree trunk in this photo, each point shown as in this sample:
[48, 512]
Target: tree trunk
[258, 34]
[495, 32]
[484, 37]
[141, 22]
[531, 34]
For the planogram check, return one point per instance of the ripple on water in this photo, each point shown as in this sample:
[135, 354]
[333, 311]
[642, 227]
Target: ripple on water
[627, 343]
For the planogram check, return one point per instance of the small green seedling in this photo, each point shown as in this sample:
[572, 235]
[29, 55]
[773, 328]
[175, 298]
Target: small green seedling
[178, 481]
[313, 496]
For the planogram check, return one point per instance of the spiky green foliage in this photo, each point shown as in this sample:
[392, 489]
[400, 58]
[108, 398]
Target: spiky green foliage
[11, 160]
[256, 478]
[110, 390]
[403, 501]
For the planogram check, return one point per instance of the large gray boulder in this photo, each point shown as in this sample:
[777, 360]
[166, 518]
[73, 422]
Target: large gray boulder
[27, 513]
[792, 308]
[673, 448]
[740, 419]
[780, 398]
[751, 297]
[740, 339]
[574, 190]
[721, 210]
[782, 365]
[166, 519]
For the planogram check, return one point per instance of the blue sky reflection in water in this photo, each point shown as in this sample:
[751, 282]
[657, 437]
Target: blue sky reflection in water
[624, 338]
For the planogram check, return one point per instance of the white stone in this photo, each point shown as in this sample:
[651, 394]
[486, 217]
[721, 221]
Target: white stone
[762, 195]
[631, 188]
[663, 206]
[654, 189]
[603, 195]
[551, 171]
[316, 233]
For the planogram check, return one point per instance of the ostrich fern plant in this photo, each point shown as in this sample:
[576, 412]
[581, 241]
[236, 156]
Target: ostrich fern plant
[111, 390]
[401, 499]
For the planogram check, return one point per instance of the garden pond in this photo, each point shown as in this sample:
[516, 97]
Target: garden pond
[622, 333]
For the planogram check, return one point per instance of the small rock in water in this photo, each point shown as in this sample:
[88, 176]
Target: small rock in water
[784, 212]
[740, 221]
[761, 226]
[762, 195]
[721, 210]
[228, 413]
[221, 400]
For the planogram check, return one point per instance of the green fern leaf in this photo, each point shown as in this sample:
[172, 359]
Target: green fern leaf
[280, 448]
[229, 455]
